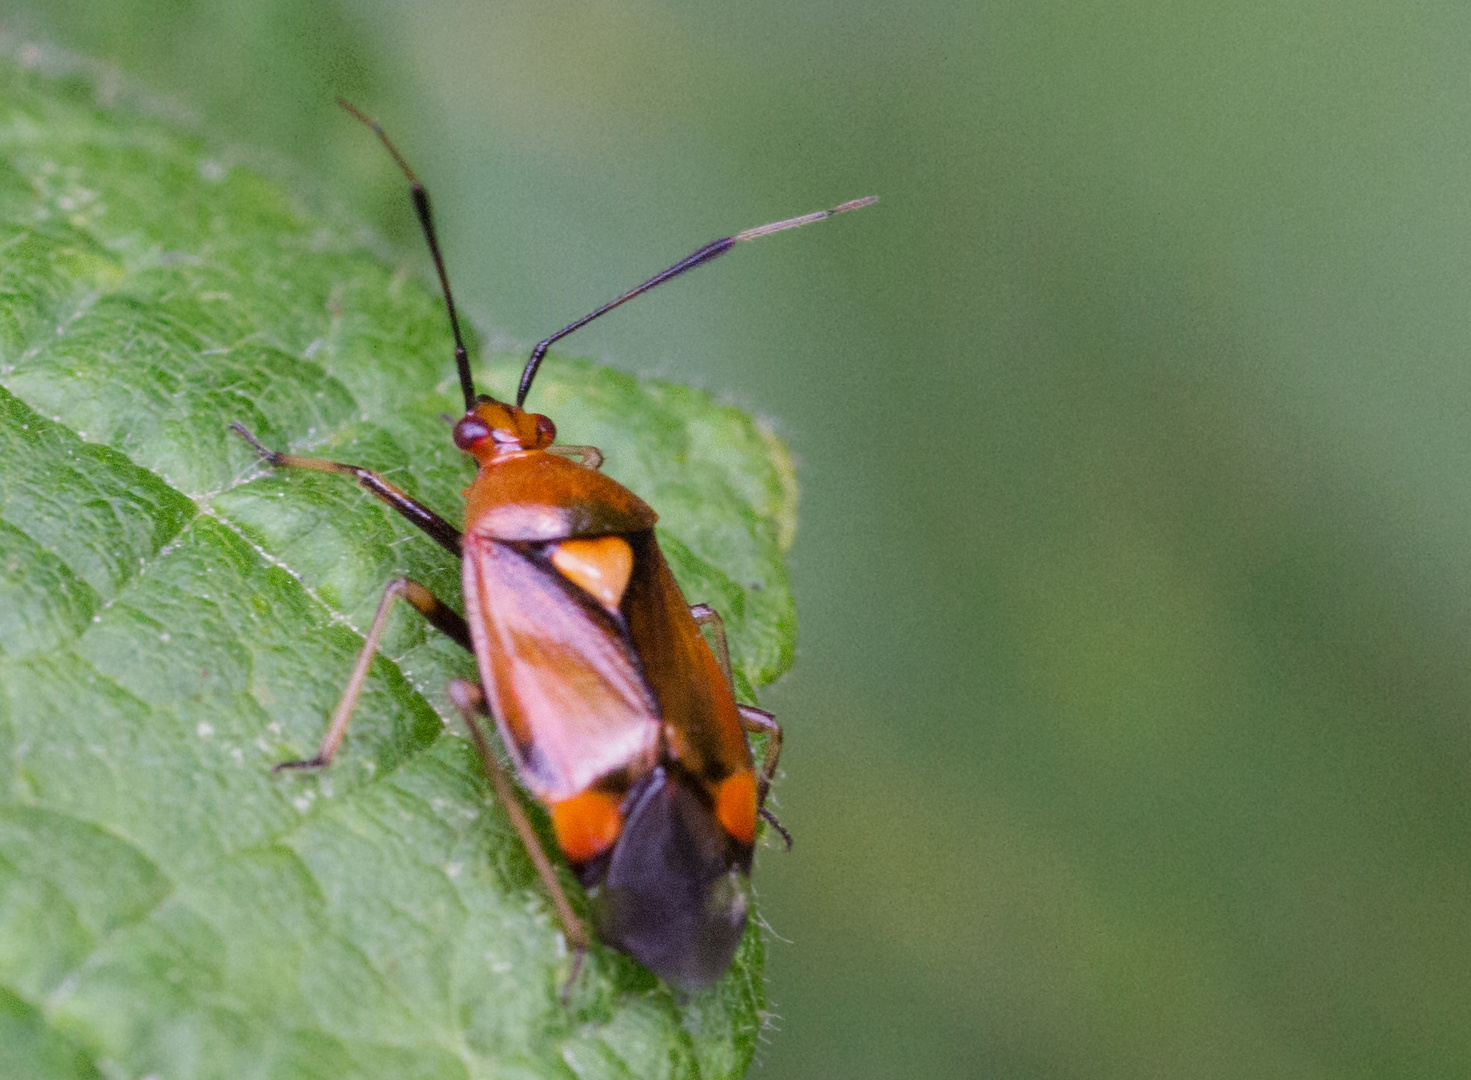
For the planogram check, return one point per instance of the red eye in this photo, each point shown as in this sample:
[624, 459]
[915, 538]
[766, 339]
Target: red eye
[546, 431]
[470, 430]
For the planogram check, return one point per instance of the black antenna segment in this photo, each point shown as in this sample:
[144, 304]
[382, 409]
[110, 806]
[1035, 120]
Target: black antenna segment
[426, 222]
[712, 250]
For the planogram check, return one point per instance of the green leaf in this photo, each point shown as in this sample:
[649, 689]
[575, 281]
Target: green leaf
[174, 620]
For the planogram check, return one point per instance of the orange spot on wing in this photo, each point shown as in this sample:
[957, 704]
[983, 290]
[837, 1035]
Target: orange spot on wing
[735, 805]
[587, 824]
[599, 565]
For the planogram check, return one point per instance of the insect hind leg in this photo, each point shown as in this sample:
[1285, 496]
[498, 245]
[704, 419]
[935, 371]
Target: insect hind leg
[416, 513]
[753, 720]
[469, 699]
[759, 721]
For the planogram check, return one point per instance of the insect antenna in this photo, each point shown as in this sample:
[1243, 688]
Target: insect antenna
[712, 250]
[426, 222]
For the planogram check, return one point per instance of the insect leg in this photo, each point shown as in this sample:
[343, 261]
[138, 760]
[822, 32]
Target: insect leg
[439, 530]
[760, 721]
[427, 604]
[469, 699]
[589, 457]
[753, 720]
[707, 616]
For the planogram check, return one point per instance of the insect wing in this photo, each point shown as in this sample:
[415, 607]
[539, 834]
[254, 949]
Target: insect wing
[563, 683]
[702, 725]
[672, 897]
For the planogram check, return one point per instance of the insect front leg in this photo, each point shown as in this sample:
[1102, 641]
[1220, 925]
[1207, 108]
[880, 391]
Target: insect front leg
[440, 531]
[439, 614]
[589, 457]
[469, 699]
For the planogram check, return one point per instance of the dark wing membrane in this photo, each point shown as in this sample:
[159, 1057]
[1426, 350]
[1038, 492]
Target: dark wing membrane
[703, 727]
[565, 688]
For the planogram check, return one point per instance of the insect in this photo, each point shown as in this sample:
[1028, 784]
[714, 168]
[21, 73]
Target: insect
[617, 713]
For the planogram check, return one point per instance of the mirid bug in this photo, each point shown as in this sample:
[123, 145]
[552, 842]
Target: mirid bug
[617, 713]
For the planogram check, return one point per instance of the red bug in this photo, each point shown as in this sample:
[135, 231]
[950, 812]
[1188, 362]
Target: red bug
[617, 713]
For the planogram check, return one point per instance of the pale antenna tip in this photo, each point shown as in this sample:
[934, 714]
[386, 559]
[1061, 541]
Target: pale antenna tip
[357, 113]
[805, 219]
[377, 129]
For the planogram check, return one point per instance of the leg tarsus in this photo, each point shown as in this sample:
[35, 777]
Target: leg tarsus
[469, 699]
[577, 960]
[267, 455]
[317, 762]
[770, 819]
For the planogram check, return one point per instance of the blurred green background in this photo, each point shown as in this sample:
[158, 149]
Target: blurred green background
[1130, 733]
